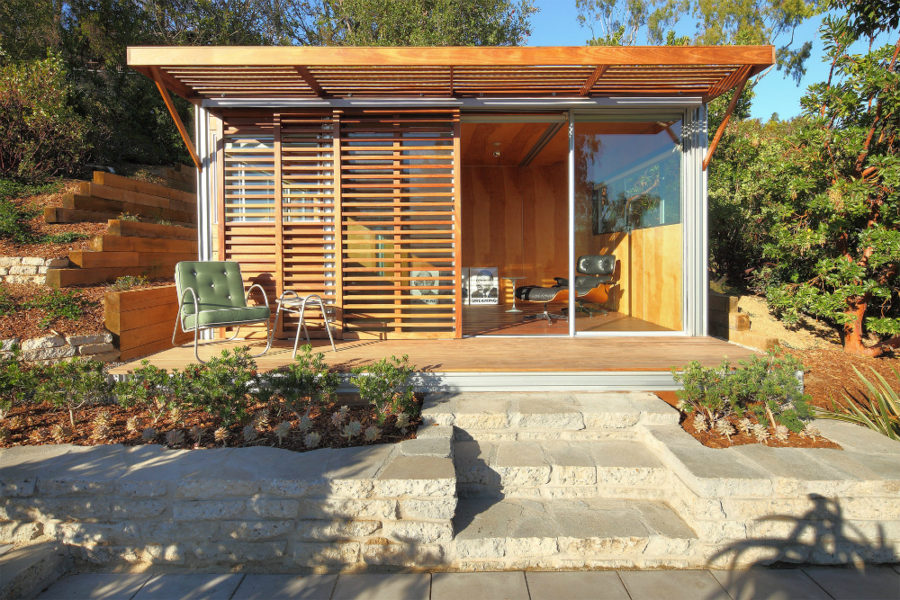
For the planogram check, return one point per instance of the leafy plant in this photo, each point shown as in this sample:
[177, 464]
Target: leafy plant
[74, 383]
[126, 216]
[7, 304]
[148, 386]
[126, 282]
[387, 386]
[14, 223]
[879, 410]
[58, 304]
[12, 188]
[221, 387]
[66, 237]
[17, 380]
[766, 386]
[307, 379]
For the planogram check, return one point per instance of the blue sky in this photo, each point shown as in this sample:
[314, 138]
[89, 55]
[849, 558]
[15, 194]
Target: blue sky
[556, 25]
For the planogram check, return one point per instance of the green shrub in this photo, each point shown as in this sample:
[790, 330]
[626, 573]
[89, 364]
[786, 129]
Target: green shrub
[73, 384]
[7, 304]
[12, 188]
[15, 223]
[67, 237]
[58, 304]
[306, 380]
[17, 380]
[221, 387]
[41, 132]
[387, 386]
[150, 387]
[126, 282]
[880, 410]
[766, 386]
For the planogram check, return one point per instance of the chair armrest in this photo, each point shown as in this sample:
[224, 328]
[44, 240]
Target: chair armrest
[181, 304]
[265, 297]
[561, 281]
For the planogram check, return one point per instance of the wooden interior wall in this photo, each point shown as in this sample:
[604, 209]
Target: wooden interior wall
[516, 219]
[649, 273]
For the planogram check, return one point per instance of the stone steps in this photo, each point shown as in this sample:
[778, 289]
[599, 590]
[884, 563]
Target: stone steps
[27, 570]
[520, 533]
[558, 469]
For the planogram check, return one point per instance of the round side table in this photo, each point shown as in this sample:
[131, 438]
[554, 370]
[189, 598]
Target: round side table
[513, 279]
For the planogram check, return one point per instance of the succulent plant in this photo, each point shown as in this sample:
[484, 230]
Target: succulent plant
[175, 438]
[781, 433]
[724, 427]
[101, 426]
[352, 429]
[371, 433]
[402, 421]
[60, 432]
[221, 435]
[745, 426]
[261, 422]
[4, 435]
[810, 431]
[250, 434]
[337, 419]
[196, 434]
[16, 422]
[176, 414]
[760, 432]
[133, 424]
[282, 430]
[305, 423]
[312, 439]
[700, 423]
[148, 435]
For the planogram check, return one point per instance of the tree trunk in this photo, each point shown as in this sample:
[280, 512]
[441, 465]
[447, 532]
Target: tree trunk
[853, 331]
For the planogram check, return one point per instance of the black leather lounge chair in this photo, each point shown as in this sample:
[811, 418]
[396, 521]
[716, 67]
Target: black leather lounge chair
[591, 287]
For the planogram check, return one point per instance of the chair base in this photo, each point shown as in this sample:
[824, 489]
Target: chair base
[546, 315]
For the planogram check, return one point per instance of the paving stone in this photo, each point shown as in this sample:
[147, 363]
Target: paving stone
[672, 585]
[484, 586]
[189, 586]
[571, 463]
[575, 585]
[286, 587]
[383, 586]
[854, 437]
[434, 431]
[546, 412]
[95, 586]
[521, 464]
[47, 341]
[873, 583]
[607, 410]
[622, 453]
[769, 584]
[792, 463]
[435, 447]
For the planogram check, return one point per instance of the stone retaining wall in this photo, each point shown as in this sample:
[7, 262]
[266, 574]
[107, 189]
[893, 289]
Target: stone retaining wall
[28, 269]
[53, 348]
[260, 508]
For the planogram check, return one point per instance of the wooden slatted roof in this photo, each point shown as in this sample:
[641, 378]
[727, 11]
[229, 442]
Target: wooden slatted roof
[198, 73]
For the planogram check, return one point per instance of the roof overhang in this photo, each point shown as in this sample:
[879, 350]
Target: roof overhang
[224, 73]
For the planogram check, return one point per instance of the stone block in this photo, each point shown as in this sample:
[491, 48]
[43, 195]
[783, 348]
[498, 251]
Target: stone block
[349, 488]
[434, 431]
[173, 554]
[273, 508]
[41, 343]
[349, 508]
[421, 476]
[18, 532]
[434, 509]
[23, 270]
[418, 532]
[95, 534]
[546, 413]
[403, 555]
[438, 447]
[33, 260]
[141, 489]
[251, 531]
[107, 356]
[42, 271]
[164, 530]
[138, 509]
[215, 488]
[4, 271]
[337, 530]
[95, 338]
[312, 554]
[8, 261]
[17, 488]
[49, 353]
[87, 507]
[232, 553]
[208, 509]
[92, 349]
[57, 263]
[295, 488]
[65, 487]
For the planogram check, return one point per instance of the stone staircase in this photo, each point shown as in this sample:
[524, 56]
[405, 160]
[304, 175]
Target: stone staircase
[561, 482]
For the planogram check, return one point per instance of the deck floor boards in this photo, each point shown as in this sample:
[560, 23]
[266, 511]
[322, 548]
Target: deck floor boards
[489, 354]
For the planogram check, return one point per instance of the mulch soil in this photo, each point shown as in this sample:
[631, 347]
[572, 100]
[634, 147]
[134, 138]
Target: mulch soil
[24, 324]
[8, 248]
[37, 424]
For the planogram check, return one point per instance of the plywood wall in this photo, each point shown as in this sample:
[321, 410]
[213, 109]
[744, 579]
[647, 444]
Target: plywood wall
[650, 273]
[515, 218]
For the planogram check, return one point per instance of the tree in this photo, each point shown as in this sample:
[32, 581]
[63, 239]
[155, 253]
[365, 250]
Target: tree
[831, 203]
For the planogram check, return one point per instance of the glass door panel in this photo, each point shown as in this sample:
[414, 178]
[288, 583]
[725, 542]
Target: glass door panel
[628, 248]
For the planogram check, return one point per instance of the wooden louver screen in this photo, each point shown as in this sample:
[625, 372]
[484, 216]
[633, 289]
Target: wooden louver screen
[399, 224]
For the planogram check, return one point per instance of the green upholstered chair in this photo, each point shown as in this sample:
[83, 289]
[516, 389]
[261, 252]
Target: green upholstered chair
[211, 294]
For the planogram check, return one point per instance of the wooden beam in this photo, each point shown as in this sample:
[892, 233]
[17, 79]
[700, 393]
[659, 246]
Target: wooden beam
[589, 83]
[311, 80]
[724, 123]
[186, 138]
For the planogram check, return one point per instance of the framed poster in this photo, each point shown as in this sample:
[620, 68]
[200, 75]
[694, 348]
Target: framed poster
[424, 286]
[464, 285]
[484, 285]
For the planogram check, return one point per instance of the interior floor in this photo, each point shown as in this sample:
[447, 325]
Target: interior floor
[496, 320]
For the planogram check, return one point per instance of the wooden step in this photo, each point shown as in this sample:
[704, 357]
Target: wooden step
[60, 278]
[93, 203]
[115, 243]
[53, 214]
[154, 189]
[87, 188]
[86, 259]
[150, 230]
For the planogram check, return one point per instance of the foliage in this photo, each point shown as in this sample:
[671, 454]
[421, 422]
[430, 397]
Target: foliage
[58, 304]
[126, 282]
[307, 378]
[387, 385]
[126, 216]
[766, 386]
[66, 237]
[74, 383]
[17, 380]
[149, 386]
[221, 387]
[879, 410]
[42, 134]
[829, 202]
[7, 303]
[14, 223]
[12, 188]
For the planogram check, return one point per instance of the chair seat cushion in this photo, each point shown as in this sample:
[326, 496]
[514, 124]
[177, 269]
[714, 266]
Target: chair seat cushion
[537, 294]
[228, 315]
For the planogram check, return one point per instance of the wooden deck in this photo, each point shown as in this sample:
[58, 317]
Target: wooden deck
[504, 363]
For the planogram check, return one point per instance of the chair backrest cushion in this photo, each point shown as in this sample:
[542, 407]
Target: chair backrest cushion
[218, 285]
[596, 264]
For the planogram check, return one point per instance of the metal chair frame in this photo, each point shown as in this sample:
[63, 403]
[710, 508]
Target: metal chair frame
[303, 301]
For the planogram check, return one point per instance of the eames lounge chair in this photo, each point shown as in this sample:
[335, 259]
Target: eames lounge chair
[591, 287]
[211, 294]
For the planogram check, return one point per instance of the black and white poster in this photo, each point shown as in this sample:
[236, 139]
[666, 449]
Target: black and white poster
[484, 285]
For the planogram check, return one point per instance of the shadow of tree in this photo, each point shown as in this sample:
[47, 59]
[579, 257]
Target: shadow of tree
[820, 535]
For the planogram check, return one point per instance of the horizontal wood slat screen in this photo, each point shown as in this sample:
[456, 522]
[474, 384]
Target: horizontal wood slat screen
[361, 209]
[399, 260]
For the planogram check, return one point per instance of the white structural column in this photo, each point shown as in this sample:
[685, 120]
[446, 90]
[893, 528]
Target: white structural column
[571, 195]
[695, 222]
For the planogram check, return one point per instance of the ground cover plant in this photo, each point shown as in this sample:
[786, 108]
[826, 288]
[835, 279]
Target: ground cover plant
[758, 400]
[223, 403]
